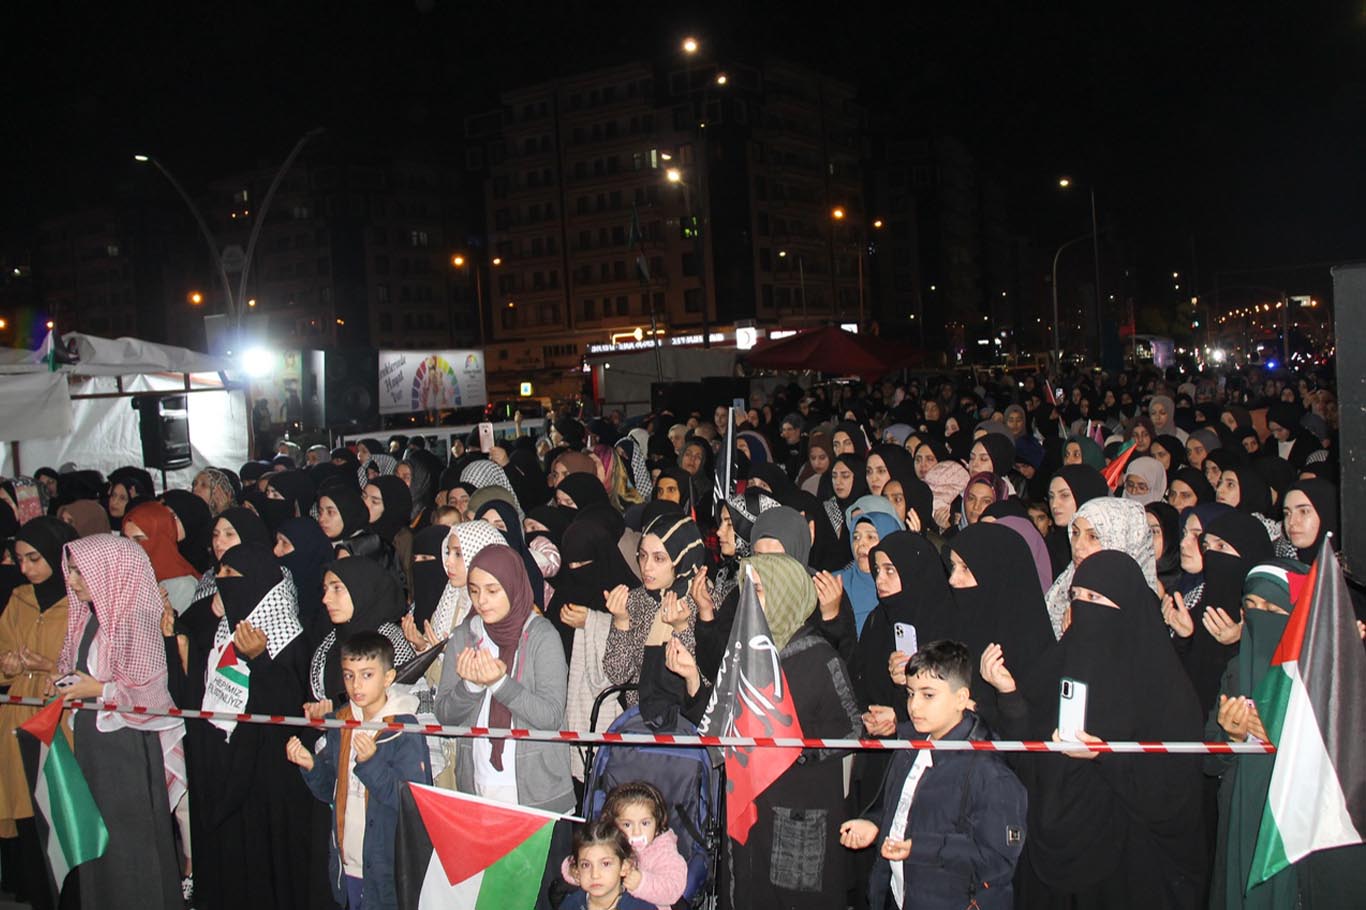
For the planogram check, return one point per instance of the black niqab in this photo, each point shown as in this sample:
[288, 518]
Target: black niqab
[48, 536]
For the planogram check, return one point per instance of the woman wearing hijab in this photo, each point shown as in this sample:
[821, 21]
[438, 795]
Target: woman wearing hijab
[1103, 524]
[359, 596]
[671, 551]
[250, 808]
[504, 667]
[819, 455]
[980, 493]
[1145, 480]
[928, 454]
[580, 491]
[1029, 533]
[991, 606]
[153, 526]
[1169, 452]
[1268, 598]
[912, 590]
[1310, 511]
[1113, 831]
[994, 453]
[1165, 524]
[1198, 446]
[848, 438]
[859, 586]
[195, 525]
[840, 487]
[883, 463]
[127, 487]
[503, 516]
[1188, 487]
[288, 494]
[133, 764]
[303, 549]
[1072, 487]
[86, 516]
[1221, 460]
[429, 573]
[1207, 629]
[463, 542]
[426, 471]
[802, 808]
[31, 632]
[484, 473]
[826, 553]
[390, 507]
[735, 519]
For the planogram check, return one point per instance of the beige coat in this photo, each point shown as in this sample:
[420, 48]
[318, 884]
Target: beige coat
[23, 625]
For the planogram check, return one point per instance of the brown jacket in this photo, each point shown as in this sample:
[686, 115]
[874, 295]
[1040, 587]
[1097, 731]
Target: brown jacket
[22, 625]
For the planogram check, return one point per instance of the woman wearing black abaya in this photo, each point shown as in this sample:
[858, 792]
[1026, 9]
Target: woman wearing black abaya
[994, 605]
[1207, 637]
[840, 487]
[426, 471]
[429, 573]
[825, 555]
[289, 494]
[390, 506]
[360, 596]
[1111, 832]
[1072, 486]
[250, 812]
[303, 549]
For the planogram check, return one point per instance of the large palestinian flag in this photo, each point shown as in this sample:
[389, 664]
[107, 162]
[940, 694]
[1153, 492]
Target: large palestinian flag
[1313, 705]
[751, 698]
[69, 823]
[460, 852]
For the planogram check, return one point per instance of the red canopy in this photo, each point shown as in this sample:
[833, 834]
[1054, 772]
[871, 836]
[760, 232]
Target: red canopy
[831, 350]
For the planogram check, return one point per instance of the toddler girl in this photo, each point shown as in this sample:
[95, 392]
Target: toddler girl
[658, 874]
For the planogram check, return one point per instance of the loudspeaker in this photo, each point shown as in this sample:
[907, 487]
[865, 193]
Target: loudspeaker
[722, 390]
[350, 387]
[1349, 311]
[164, 426]
[677, 397]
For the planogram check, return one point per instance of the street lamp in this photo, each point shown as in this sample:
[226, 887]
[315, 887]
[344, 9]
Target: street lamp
[837, 213]
[1065, 183]
[690, 45]
[673, 175]
[233, 310]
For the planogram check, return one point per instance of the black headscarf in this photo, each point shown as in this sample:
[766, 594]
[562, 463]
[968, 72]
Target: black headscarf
[555, 519]
[398, 506]
[48, 536]
[591, 542]
[197, 521]
[1001, 449]
[1323, 495]
[1254, 496]
[1169, 560]
[1172, 445]
[1085, 482]
[248, 525]
[355, 517]
[1082, 814]
[296, 492]
[856, 434]
[260, 573]
[426, 469]
[586, 490]
[376, 598]
[517, 540]
[925, 602]
[826, 553]
[429, 575]
[527, 479]
[312, 551]
[1196, 481]
[1000, 608]
[775, 477]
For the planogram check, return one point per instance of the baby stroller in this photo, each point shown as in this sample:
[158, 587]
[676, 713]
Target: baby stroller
[687, 778]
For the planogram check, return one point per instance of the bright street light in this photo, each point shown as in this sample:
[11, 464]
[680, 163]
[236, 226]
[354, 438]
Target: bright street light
[1064, 182]
[257, 362]
[141, 159]
[673, 175]
[458, 261]
[721, 79]
[782, 254]
[497, 260]
[837, 213]
[195, 297]
[690, 45]
[877, 224]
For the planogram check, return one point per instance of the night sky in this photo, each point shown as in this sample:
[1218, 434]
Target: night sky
[1218, 134]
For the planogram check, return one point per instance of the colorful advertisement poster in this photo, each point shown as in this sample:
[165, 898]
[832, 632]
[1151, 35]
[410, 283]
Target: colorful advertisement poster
[430, 381]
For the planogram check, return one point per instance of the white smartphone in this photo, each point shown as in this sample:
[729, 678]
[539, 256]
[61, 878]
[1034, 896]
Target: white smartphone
[486, 437]
[1071, 708]
[905, 638]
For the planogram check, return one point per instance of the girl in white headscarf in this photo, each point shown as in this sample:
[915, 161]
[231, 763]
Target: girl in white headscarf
[1103, 524]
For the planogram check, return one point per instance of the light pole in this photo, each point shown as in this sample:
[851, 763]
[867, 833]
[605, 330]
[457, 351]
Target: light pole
[234, 311]
[690, 48]
[459, 261]
[1057, 344]
[1064, 183]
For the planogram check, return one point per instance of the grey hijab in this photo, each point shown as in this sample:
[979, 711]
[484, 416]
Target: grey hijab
[788, 527]
[1121, 524]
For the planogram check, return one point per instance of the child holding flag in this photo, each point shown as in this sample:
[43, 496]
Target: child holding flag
[362, 773]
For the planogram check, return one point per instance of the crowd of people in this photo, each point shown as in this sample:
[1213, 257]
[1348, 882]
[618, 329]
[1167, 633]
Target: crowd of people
[933, 558]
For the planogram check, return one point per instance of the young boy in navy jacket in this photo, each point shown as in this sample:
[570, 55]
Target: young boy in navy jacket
[361, 774]
[952, 823]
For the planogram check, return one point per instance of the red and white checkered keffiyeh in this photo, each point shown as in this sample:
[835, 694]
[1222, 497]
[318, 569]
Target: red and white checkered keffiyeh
[131, 655]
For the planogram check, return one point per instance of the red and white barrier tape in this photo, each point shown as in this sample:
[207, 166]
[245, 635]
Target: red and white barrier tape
[668, 739]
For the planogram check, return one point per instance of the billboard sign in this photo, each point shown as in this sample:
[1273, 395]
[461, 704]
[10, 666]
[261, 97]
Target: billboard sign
[430, 381]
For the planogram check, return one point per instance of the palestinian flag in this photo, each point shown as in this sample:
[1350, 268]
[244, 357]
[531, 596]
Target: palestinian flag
[751, 698]
[1114, 469]
[1312, 705]
[460, 852]
[69, 823]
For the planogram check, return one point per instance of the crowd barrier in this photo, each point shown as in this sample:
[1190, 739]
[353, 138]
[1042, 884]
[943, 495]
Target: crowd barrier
[630, 739]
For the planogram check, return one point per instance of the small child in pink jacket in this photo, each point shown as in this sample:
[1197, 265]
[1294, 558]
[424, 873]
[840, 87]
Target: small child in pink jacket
[660, 873]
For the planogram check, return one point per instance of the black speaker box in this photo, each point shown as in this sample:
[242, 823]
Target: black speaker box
[164, 427]
[1349, 311]
[350, 386]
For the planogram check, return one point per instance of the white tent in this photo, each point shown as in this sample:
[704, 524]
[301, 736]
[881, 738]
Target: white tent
[82, 412]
